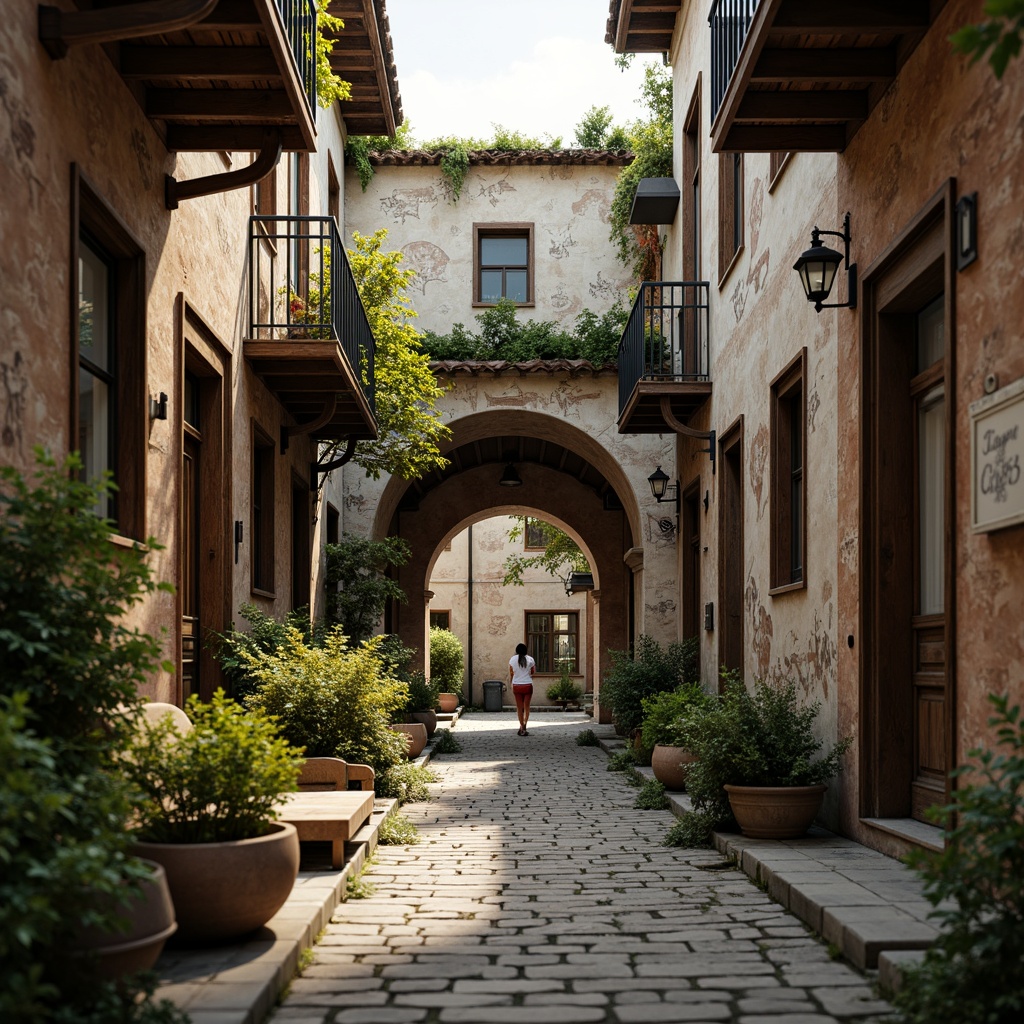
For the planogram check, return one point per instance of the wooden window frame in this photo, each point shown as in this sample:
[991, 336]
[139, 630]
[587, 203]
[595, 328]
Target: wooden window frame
[261, 547]
[788, 404]
[332, 524]
[731, 545]
[439, 612]
[333, 191]
[130, 418]
[522, 229]
[574, 616]
[527, 545]
[778, 161]
[731, 226]
[691, 545]
[692, 234]
[301, 546]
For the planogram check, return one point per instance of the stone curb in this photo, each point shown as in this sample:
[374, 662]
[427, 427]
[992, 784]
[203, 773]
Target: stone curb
[242, 983]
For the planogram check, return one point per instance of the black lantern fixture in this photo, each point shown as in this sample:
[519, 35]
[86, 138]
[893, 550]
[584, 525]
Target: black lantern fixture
[510, 478]
[817, 268]
[660, 488]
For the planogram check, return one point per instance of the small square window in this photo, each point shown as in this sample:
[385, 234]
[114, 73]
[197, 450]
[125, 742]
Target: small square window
[440, 620]
[503, 263]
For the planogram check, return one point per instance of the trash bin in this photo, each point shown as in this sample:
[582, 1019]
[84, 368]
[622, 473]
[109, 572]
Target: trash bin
[492, 694]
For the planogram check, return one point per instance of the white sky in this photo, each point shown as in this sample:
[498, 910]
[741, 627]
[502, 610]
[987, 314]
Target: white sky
[535, 66]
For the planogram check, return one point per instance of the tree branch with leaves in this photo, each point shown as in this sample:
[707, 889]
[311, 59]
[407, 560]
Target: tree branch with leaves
[560, 558]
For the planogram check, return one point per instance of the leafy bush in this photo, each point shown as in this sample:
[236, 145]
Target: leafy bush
[444, 742]
[333, 700]
[586, 738]
[406, 782]
[663, 714]
[565, 689]
[643, 672]
[651, 797]
[446, 670]
[69, 661]
[692, 830]
[623, 760]
[974, 971]
[752, 738]
[397, 830]
[422, 694]
[218, 782]
[358, 585]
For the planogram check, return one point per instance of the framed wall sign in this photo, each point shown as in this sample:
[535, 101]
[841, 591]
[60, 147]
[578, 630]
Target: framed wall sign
[997, 459]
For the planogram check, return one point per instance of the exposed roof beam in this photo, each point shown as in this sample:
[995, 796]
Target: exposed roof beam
[198, 62]
[846, 64]
[878, 17]
[836, 105]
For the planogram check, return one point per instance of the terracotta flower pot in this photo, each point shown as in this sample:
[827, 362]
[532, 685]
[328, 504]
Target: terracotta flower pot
[150, 918]
[221, 890]
[449, 702]
[671, 766]
[775, 812]
[426, 718]
[416, 735]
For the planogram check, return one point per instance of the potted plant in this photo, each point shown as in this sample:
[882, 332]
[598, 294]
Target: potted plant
[565, 691]
[663, 733]
[207, 812]
[446, 667]
[423, 702]
[758, 760]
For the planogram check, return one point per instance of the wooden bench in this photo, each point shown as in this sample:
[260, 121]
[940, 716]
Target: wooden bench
[324, 809]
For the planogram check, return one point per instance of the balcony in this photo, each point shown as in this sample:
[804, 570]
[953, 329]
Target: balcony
[641, 26]
[797, 76]
[663, 356]
[212, 75]
[309, 340]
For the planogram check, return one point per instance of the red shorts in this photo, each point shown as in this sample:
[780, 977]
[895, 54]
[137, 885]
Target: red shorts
[522, 690]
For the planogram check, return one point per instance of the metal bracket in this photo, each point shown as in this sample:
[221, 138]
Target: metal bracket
[325, 417]
[318, 469]
[265, 162]
[681, 428]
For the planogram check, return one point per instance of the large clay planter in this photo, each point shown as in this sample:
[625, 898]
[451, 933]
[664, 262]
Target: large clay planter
[426, 718]
[150, 920]
[449, 702]
[775, 812]
[222, 890]
[671, 766]
[416, 735]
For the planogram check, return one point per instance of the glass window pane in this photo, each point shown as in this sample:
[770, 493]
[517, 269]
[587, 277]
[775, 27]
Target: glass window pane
[94, 431]
[490, 285]
[509, 251]
[931, 427]
[93, 306]
[515, 285]
[931, 339]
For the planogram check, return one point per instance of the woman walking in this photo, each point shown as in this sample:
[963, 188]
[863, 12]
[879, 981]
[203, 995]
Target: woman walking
[520, 671]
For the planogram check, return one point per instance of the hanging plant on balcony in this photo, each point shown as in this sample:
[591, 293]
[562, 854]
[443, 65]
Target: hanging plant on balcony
[329, 86]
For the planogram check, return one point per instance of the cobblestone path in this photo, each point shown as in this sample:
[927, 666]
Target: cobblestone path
[538, 894]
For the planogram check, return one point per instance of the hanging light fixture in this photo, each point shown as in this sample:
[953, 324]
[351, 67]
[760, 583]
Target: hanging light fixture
[817, 268]
[510, 478]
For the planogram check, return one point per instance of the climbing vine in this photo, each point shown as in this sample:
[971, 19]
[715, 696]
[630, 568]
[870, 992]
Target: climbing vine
[329, 86]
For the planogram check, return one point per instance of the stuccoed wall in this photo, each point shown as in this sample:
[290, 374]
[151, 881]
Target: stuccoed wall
[498, 611]
[567, 199]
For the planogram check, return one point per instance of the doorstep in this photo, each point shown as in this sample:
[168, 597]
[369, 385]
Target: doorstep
[871, 907]
[241, 983]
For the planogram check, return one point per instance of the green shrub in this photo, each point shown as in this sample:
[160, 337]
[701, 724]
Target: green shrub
[422, 694]
[446, 668]
[397, 830]
[752, 738]
[623, 760]
[692, 830]
[71, 668]
[645, 671]
[358, 585]
[218, 782]
[444, 742]
[663, 714]
[651, 797]
[974, 971]
[333, 700]
[406, 782]
[565, 689]
[586, 738]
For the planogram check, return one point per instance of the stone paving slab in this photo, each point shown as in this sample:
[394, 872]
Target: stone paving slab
[539, 893]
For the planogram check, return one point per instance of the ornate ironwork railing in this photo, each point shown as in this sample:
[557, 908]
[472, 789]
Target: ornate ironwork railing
[301, 287]
[666, 336]
[299, 20]
[730, 22]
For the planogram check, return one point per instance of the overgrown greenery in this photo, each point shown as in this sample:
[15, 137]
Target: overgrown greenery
[329, 86]
[646, 670]
[596, 131]
[650, 138]
[759, 737]
[334, 700]
[974, 971]
[358, 582]
[663, 714]
[445, 742]
[219, 782]
[586, 738]
[446, 660]
[651, 797]
[503, 336]
[406, 782]
[71, 666]
[422, 694]
[999, 36]
[397, 830]
[561, 555]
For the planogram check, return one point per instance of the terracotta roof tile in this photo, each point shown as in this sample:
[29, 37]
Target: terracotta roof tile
[479, 367]
[493, 157]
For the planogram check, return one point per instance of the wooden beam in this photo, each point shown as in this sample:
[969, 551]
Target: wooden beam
[207, 138]
[265, 162]
[255, 106]
[871, 17]
[233, 16]
[203, 63]
[819, 106]
[792, 138]
[820, 64]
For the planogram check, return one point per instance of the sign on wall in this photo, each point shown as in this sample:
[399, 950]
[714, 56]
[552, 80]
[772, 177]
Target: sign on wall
[997, 455]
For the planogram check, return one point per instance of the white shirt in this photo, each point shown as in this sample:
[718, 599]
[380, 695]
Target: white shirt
[521, 674]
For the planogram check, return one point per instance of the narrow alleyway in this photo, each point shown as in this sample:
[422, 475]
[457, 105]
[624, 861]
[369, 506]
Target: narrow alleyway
[538, 894]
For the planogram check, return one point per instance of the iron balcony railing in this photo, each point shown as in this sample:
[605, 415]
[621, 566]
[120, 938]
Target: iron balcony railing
[301, 287]
[730, 22]
[666, 336]
[299, 20]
